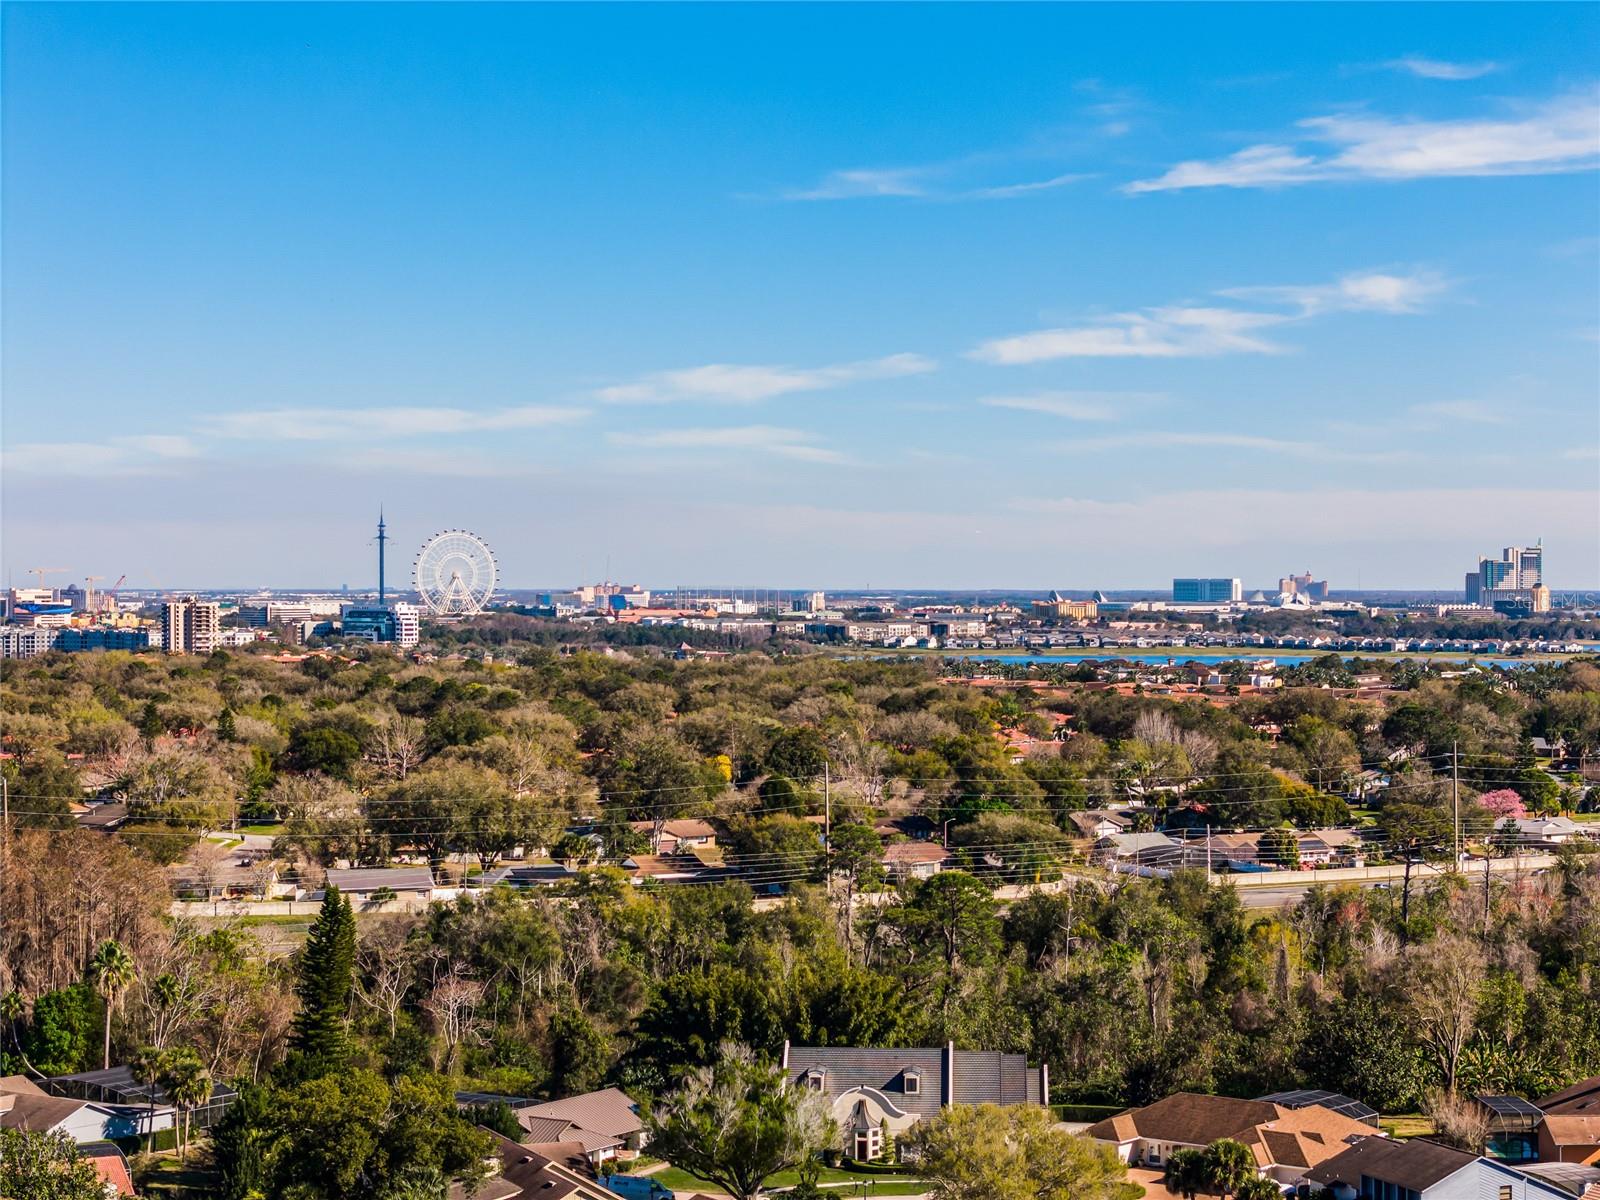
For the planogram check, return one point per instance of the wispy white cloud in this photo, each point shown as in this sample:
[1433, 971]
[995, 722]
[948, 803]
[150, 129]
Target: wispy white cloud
[1559, 135]
[1360, 291]
[797, 444]
[1434, 68]
[1476, 412]
[734, 384]
[928, 182]
[1075, 406]
[138, 454]
[1153, 333]
[1170, 439]
[1249, 518]
[349, 424]
[865, 182]
[452, 464]
[1010, 190]
[1205, 331]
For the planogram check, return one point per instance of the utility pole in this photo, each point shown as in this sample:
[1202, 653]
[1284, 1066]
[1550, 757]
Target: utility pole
[1405, 902]
[1455, 799]
[827, 805]
[1486, 895]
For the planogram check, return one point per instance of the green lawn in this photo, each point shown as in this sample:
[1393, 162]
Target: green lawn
[273, 830]
[880, 1185]
[166, 1177]
[1408, 1125]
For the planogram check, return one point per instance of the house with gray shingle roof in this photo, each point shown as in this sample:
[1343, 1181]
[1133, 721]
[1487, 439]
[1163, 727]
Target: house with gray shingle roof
[872, 1090]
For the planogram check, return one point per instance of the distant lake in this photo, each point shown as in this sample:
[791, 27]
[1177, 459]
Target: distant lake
[1181, 654]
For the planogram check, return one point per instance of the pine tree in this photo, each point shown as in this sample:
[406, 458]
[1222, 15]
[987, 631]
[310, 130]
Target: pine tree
[320, 1036]
[151, 726]
[227, 730]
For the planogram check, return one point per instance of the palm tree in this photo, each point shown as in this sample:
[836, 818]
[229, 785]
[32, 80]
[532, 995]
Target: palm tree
[1227, 1164]
[112, 971]
[148, 1065]
[1185, 1173]
[188, 1086]
[164, 994]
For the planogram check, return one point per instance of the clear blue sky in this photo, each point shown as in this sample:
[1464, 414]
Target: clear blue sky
[826, 296]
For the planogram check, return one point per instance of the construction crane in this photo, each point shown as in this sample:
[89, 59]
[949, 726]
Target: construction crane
[108, 598]
[41, 572]
[88, 592]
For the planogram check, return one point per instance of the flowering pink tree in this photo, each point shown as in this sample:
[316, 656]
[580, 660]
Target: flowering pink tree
[1504, 803]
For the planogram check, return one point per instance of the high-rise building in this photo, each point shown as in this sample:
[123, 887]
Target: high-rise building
[1304, 585]
[190, 625]
[1206, 591]
[1518, 569]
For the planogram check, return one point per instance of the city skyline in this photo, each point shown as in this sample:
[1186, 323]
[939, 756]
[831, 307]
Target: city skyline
[865, 298]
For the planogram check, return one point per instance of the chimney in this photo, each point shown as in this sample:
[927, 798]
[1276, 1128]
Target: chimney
[949, 1097]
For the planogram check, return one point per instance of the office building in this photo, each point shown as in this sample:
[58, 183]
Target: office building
[190, 626]
[37, 606]
[1518, 569]
[811, 602]
[397, 623]
[1206, 591]
[25, 641]
[101, 637]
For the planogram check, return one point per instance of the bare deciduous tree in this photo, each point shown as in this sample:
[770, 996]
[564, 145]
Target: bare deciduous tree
[1443, 979]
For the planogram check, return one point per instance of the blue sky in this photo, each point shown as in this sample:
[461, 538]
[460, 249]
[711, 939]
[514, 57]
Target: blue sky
[826, 296]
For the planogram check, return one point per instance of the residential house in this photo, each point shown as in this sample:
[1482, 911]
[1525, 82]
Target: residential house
[1378, 1168]
[25, 1105]
[605, 1124]
[137, 1107]
[914, 860]
[410, 885]
[1100, 823]
[1285, 1142]
[679, 835]
[663, 868]
[526, 1172]
[529, 875]
[1332, 847]
[1541, 831]
[1142, 849]
[1581, 1097]
[1576, 1180]
[1510, 1128]
[876, 1090]
[1569, 1137]
[912, 825]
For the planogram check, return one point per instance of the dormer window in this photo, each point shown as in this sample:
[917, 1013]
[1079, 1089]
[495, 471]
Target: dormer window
[815, 1079]
[911, 1082]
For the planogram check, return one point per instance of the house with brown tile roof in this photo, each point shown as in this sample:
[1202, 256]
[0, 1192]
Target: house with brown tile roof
[1286, 1142]
[914, 860]
[678, 835]
[1569, 1137]
[603, 1124]
[527, 1172]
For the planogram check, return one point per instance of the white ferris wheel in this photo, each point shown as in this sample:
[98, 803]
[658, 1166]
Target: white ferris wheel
[455, 573]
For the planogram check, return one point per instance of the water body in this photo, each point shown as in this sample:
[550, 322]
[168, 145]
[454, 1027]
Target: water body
[1182, 654]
